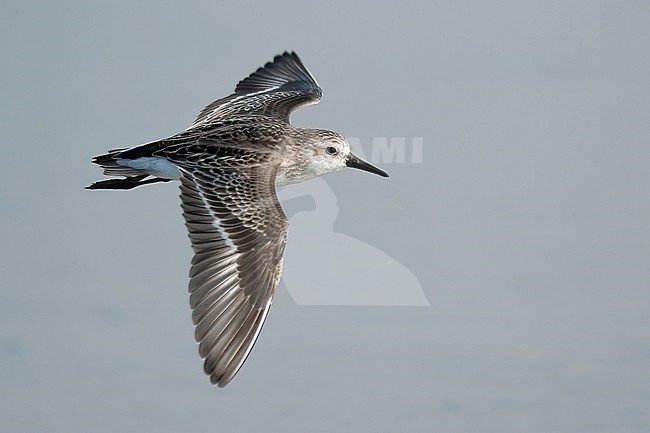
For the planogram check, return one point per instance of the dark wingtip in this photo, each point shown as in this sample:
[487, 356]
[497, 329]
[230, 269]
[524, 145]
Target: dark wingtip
[284, 68]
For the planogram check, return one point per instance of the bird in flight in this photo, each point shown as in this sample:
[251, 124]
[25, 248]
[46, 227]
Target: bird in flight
[229, 163]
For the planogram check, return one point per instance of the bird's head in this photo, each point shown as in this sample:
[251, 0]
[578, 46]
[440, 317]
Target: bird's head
[331, 152]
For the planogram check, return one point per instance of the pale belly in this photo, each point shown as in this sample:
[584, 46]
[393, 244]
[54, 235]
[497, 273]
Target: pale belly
[161, 167]
[285, 177]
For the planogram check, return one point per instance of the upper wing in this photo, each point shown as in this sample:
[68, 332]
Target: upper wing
[275, 90]
[238, 232]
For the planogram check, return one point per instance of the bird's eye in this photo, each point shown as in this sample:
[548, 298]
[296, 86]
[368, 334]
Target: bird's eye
[331, 150]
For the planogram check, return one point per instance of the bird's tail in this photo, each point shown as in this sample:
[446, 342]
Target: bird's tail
[126, 183]
[132, 177]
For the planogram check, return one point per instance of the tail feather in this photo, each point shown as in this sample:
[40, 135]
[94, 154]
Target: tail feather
[108, 162]
[126, 183]
[132, 177]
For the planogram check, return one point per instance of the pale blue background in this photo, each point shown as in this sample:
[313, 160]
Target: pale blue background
[527, 222]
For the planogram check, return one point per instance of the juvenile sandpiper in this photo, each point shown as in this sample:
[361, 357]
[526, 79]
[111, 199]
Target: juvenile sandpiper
[229, 163]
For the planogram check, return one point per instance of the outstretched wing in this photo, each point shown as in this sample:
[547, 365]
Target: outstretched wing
[238, 232]
[275, 90]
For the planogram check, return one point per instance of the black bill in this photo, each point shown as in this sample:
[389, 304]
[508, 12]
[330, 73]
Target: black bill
[354, 162]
